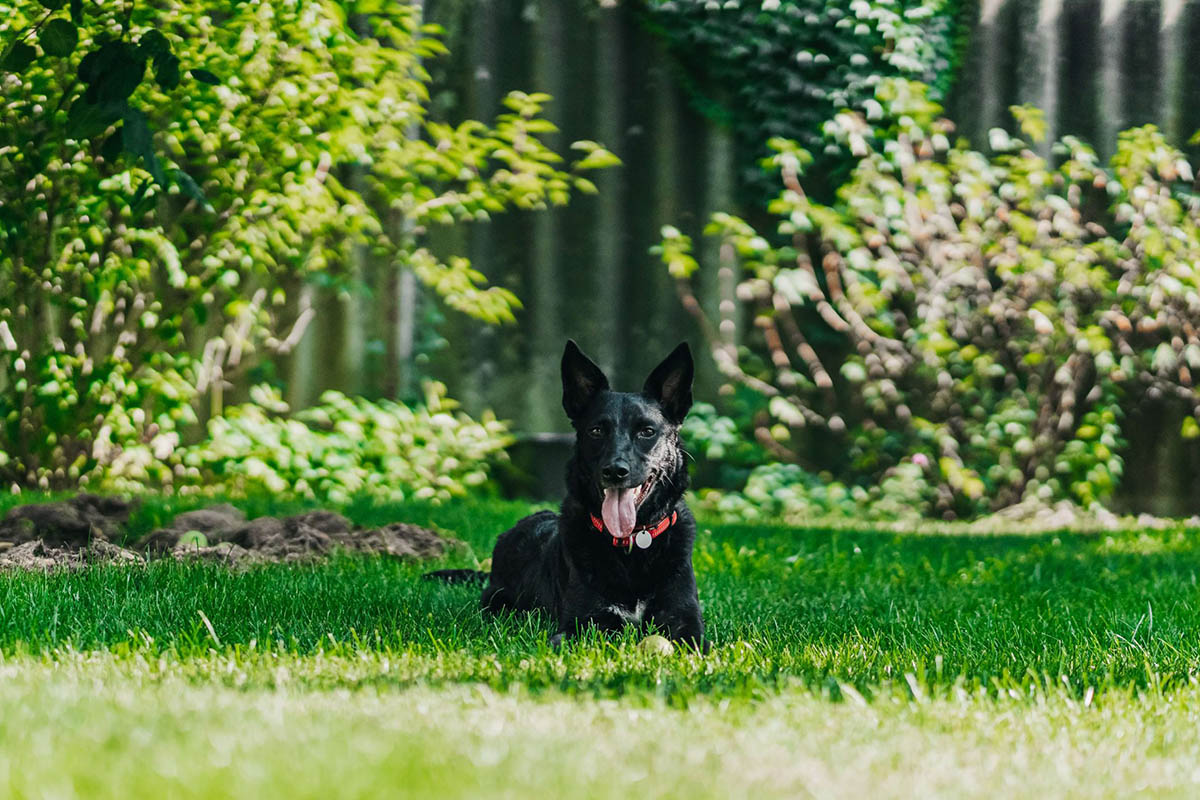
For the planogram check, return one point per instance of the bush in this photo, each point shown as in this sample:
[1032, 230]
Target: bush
[127, 298]
[342, 448]
[993, 317]
[724, 457]
[772, 68]
[790, 494]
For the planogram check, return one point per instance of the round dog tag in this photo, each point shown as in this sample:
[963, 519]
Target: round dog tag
[643, 539]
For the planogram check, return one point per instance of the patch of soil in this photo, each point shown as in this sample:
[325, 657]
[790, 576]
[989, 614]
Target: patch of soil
[71, 523]
[40, 555]
[77, 532]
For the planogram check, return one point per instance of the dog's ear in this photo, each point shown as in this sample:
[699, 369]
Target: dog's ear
[670, 384]
[582, 380]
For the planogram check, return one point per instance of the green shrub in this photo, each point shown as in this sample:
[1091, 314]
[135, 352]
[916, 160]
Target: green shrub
[342, 448]
[724, 456]
[772, 68]
[789, 493]
[995, 317]
[126, 299]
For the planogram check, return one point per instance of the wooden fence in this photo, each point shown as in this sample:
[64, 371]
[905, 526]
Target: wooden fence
[1095, 67]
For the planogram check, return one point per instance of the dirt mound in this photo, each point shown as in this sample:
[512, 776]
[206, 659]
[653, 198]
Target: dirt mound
[40, 555]
[303, 537]
[72, 523]
[77, 532]
[402, 540]
[209, 522]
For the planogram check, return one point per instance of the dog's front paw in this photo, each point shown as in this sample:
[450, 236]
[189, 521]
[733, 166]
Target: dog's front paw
[557, 639]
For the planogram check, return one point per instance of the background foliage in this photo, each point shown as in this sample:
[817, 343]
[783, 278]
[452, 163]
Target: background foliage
[140, 277]
[998, 314]
[344, 448]
[785, 67]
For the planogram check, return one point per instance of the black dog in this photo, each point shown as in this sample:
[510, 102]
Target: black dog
[620, 550]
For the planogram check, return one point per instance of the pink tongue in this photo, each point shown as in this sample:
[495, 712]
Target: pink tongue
[619, 511]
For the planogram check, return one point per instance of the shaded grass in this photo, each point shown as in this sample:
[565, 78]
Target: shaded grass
[822, 608]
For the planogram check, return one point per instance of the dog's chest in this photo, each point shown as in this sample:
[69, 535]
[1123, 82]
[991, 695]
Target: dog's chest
[634, 614]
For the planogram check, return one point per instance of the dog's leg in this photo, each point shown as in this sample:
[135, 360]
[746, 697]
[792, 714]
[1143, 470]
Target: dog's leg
[680, 620]
[582, 609]
[603, 622]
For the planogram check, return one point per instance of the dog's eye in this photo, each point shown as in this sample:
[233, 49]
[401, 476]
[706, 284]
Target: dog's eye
[595, 431]
[647, 432]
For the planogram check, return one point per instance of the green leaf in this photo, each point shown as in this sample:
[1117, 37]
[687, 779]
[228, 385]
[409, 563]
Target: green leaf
[124, 78]
[59, 37]
[189, 187]
[113, 146]
[90, 65]
[86, 119]
[1190, 428]
[18, 57]
[152, 44]
[1032, 121]
[53, 5]
[136, 132]
[139, 143]
[204, 76]
[111, 72]
[139, 193]
[166, 70]
[142, 201]
[598, 159]
[77, 11]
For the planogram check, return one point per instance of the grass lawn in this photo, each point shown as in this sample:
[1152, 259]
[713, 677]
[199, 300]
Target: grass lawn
[845, 663]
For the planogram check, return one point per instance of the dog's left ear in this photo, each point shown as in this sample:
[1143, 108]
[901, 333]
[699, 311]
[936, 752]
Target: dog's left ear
[670, 384]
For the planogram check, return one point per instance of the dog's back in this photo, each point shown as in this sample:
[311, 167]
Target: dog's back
[524, 566]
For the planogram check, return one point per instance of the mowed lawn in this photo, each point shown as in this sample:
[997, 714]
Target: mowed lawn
[845, 663]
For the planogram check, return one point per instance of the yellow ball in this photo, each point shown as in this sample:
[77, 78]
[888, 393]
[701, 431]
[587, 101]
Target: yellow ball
[658, 645]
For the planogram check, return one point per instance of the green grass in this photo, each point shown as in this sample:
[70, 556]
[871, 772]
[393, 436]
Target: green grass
[845, 662]
[102, 726]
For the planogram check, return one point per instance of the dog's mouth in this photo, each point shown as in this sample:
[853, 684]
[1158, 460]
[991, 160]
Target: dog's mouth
[620, 507]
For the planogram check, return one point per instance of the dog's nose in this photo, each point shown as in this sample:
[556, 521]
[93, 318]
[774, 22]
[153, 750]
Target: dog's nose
[615, 472]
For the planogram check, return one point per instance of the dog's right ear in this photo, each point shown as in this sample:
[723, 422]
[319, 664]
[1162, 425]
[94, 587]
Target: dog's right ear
[582, 380]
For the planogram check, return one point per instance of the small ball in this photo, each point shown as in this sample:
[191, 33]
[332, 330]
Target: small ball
[194, 539]
[657, 645]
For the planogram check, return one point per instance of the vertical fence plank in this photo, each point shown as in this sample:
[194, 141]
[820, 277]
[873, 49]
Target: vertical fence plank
[608, 277]
[356, 320]
[542, 313]
[1112, 74]
[300, 382]
[989, 38]
[1172, 32]
[1039, 76]
[1080, 69]
[719, 174]
[482, 102]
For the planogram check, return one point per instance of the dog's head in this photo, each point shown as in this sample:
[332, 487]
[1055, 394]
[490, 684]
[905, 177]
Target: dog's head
[628, 460]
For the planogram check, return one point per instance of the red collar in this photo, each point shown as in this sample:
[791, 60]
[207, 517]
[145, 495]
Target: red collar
[635, 536]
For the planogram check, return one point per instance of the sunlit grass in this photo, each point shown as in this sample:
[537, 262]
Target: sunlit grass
[857, 607]
[223, 725]
[845, 662]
